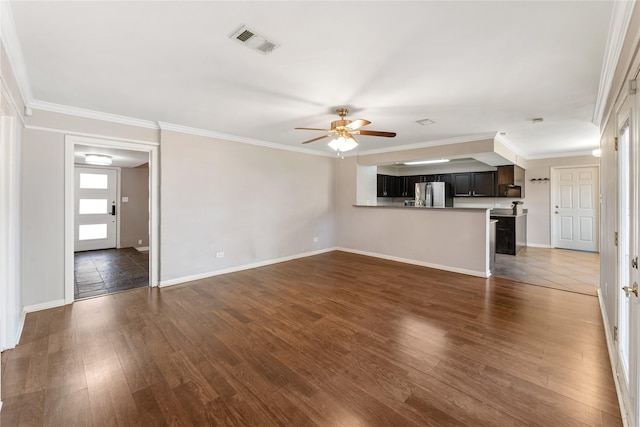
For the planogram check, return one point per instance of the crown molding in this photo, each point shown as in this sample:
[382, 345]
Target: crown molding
[14, 52]
[8, 96]
[561, 154]
[235, 138]
[92, 114]
[511, 146]
[620, 18]
[448, 141]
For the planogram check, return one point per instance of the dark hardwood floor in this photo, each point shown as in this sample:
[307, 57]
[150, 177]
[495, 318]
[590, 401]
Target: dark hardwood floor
[331, 340]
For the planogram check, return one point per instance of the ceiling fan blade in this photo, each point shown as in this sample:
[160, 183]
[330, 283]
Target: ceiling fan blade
[376, 133]
[357, 124]
[324, 130]
[315, 139]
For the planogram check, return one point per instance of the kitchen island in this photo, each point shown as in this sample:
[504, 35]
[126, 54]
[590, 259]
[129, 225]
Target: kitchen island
[452, 239]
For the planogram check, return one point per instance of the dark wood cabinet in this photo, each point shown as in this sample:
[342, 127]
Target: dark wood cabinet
[461, 184]
[510, 181]
[397, 186]
[387, 185]
[474, 184]
[511, 234]
[407, 186]
[443, 177]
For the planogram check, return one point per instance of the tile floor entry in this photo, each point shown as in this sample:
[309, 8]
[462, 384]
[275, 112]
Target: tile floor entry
[567, 270]
[108, 271]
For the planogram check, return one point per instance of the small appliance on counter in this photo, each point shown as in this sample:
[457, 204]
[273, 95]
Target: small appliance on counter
[517, 208]
[433, 194]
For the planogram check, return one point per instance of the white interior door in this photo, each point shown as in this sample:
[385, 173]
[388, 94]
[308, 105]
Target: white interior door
[575, 213]
[95, 208]
[634, 275]
[627, 225]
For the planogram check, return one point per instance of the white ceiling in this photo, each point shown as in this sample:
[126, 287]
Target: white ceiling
[474, 67]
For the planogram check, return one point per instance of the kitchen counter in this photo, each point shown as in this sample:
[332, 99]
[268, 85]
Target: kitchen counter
[507, 215]
[426, 208]
[452, 239]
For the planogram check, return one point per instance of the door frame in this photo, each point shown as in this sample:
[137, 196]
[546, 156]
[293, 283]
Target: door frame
[554, 171]
[626, 109]
[69, 197]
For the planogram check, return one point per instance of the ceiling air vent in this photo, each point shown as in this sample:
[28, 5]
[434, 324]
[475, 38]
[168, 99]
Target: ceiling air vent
[253, 40]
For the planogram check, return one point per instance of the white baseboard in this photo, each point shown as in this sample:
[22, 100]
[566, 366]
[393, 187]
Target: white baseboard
[477, 273]
[142, 248]
[538, 245]
[611, 349]
[42, 306]
[171, 282]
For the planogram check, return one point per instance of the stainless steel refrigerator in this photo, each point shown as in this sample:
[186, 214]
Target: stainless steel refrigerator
[433, 194]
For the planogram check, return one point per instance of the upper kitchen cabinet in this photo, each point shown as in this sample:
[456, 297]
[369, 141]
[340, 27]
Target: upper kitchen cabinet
[387, 185]
[510, 181]
[474, 184]
[407, 186]
[443, 177]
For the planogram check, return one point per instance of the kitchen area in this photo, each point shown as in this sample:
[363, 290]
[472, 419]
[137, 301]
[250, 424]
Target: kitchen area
[465, 187]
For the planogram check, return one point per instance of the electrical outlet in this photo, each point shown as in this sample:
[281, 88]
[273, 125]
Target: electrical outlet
[315, 240]
[219, 254]
[139, 241]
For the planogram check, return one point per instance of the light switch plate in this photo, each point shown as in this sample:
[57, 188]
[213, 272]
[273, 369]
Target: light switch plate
[125, 199]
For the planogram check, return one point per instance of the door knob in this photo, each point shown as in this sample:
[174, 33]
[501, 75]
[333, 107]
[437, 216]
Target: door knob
[628, 290]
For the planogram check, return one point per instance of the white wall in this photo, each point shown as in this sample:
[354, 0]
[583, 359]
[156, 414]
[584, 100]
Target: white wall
[255, 204]
[42, 217]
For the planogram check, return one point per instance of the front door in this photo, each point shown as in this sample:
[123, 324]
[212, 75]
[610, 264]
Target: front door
[575, 210]
[95, 208]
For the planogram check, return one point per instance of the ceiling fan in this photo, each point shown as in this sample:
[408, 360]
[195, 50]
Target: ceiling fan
[343, 131]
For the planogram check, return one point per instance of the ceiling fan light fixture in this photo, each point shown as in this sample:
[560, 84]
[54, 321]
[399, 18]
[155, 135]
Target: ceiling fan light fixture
[343, 143]
[97, 159]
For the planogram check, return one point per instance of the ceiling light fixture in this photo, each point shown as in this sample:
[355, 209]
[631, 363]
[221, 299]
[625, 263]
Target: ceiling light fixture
[343, 143]
[426, 162]
[97, 159]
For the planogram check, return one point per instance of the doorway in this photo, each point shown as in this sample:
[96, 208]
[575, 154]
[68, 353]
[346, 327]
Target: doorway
[105, 253]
